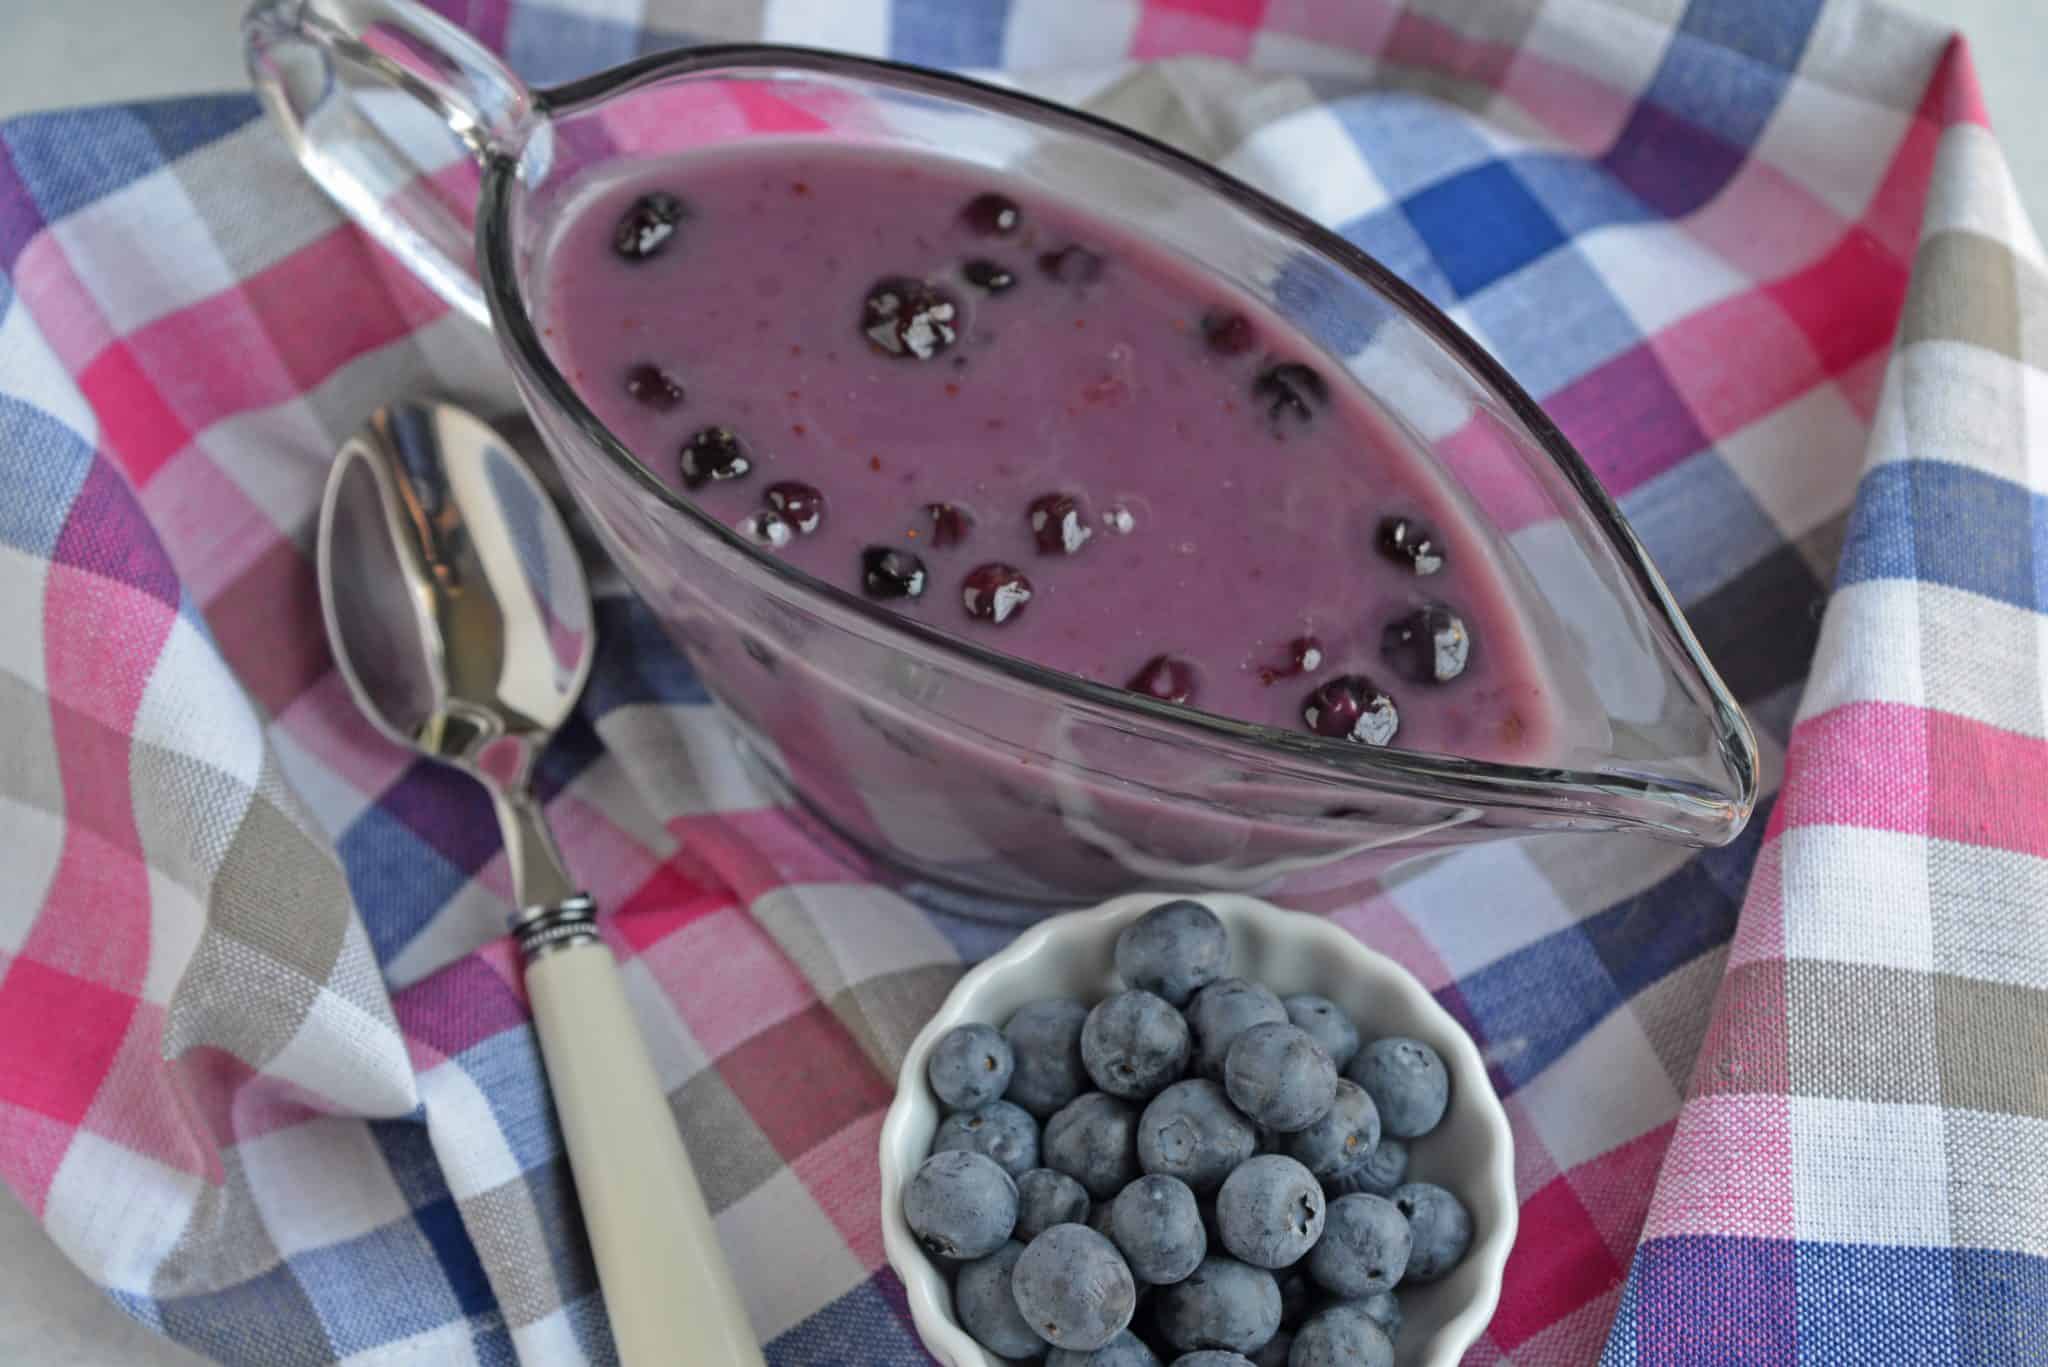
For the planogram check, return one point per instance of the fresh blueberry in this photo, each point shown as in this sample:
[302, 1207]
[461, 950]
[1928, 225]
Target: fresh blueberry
[1125, 1350]
[1342, 1336]
[1297, 1294]
[994, 593]
[1384, 1307]
[1002, 1130]
[1213, 1357]
[1364, 1247]
[1222, 1011]
[1046, 1198]
[1094, 1140]
[766, 527]
[1411, 545]
[987, 1307]
[1165, 677]
[1072, 265]
[1351, 707]
[991, 215]
[1429, 645]
[1191, 1131]
[1074, 1288]
[1274, 1354]
[1379, 1172]
[992, 276]
[1341, 1138]
[1270, 1211]
[950, 524]
[714, 454]
[1304, 656]
[645, 228]
[799, 503]
[1057, 524]
[886, 572]
[1290, 393]
[1441, 1226]
[1407, 1081]
[1222, 1304]
[1154, 1222]
[1280, 1077]
[908, 319]
[1173, 951]
[1134, 1045]
[960, 1204]
[652, 387]
[1325, 1020]
[1045, 1037]
[1229, 334]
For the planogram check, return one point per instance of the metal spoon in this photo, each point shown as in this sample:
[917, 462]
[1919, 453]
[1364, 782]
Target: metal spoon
[459, 615]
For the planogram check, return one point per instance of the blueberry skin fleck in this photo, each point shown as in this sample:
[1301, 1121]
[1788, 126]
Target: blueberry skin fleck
[1134, 1045]
[1379, 1172]
[1407, 1081]
[1224, 1010]
[1173, 951]
[1125, 1350]
[1074, 1289]
[1046, 1198]
[1279, 1077]
[1002, 1130]
[1045, 1038]
[1156, 1225]
[1270, 1211]
[970, 1066]
[1223, 1304]
[1094, 1140]
[1440, 1226]
[1364, 1247]
[1342, 1336]
[988, 1310]
[1342, 1138]
[1191, 1131]
[1325, 1020]
[960, 1204]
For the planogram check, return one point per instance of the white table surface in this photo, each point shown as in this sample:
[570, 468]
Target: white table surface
[69, 52]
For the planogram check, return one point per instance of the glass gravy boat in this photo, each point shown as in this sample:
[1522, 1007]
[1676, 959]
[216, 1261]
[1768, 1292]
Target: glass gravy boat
[940, 761]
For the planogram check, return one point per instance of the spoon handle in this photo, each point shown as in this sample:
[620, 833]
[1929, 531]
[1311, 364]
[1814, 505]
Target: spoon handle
[668, 1291]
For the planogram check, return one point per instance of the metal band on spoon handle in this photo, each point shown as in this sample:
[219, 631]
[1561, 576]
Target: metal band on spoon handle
[670, 1296]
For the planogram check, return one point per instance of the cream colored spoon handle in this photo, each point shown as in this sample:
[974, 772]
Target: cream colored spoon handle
[667, 1288]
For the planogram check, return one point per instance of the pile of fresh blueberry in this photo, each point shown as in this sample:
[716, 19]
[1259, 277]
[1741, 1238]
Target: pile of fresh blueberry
[1218, 1180]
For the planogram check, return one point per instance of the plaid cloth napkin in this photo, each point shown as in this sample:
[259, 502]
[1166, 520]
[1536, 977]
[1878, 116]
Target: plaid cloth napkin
[266, 1074]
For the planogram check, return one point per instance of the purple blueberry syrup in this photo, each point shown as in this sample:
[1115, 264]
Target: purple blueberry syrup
[1207, 509]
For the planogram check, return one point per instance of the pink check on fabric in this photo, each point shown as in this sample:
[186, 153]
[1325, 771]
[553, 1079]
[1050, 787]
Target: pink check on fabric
[266, 1076]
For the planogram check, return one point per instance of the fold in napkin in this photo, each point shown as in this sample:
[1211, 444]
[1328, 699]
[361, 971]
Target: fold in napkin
[267, 1077]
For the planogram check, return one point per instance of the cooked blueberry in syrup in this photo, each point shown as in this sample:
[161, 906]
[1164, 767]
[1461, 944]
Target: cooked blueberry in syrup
[1166, 678]
[992, 215]
[1072, 265]
[766, 528]
[1429, 645]
[950, 524]
[802, 505]
[1289, 392]
[1229, 334]
[908, 318]
[651, 385]
[714, 454]
[992, 276]
[1304, 656]
[1405, 541]
[995, 593]
[1351, 707]
[1057, 524]
[647, 225]
[886, 572]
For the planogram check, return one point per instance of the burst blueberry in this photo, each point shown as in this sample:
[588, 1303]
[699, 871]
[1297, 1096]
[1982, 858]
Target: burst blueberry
[647, 226]
[1156, 1225]
[1279, 1077]
[960, 1204]
[1222, 1011]
[1173, 951]
[886, 572]
[1440, 1226]
[1002, 1130]
[1223, 1304]
[1411, 545]
[1094, 1140]
[950, 524]
[1046, 1198]
[1325, 1020]
[1364, 1248]
[1427, 646]
[1351, 707]
[1045, 1039]
[1134, 1044]
[1270, 1211]
[987, 1305]
[1407, 1081]
[1058, 525]
[908, 319]
[995, 593]
[712, 455]
[1191, 1131]
[1074, 1289]
[799, 503]
[766, 527]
